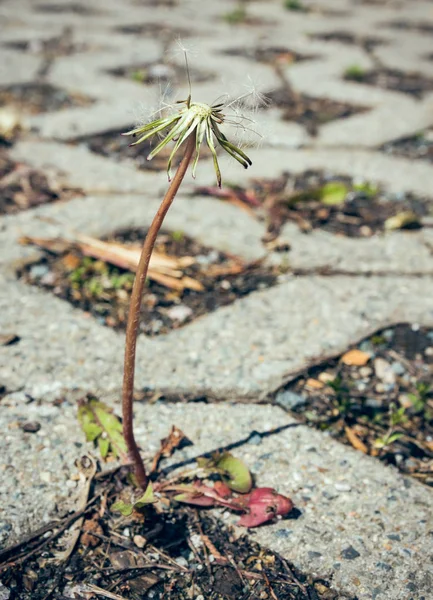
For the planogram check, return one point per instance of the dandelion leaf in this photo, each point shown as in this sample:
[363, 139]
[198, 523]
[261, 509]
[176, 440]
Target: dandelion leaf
[100, 425]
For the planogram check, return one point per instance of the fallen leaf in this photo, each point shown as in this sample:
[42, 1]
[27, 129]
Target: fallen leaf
[355, 358]
[406, 218]
[176, 439]
[89, 527]
[235, 474]
[355, 440]
[333, 193]
[314, 384]
[264, 504]
[164, 269]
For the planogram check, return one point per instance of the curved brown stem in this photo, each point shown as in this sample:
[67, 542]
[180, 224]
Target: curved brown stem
[134, 316]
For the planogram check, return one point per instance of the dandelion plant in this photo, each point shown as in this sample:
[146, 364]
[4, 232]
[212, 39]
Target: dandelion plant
[188, 128]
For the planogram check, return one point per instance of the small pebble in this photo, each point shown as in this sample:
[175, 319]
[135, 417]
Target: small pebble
[255, 439]
[342, 487]
[384, 371]
[38, 271]
[398, 368]
[365, 372]
[181, 561]
[289, 400]
[126, 532]
[349, 553]
[45, 476]
[179, 312]
[139, 541]
[30, 426]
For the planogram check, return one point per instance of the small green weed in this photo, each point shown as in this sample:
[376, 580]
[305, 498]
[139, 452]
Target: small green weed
[355, 73]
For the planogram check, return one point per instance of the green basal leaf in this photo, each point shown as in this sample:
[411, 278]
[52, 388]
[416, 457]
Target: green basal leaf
[147, 498]
[234, 473]
[102, 426]
[333, 193]
[369, 189]
[122, 507]
[104, 446]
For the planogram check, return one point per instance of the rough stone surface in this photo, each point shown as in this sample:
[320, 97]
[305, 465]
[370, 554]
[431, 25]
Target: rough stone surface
[361, 524]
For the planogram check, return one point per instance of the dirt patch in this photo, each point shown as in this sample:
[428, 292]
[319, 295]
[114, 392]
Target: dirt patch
[310, 112]
[66, 7]
[179, 554]
[113, 144]
[420, 27]
[318, 200]
[61, 45]
[148, 73]
[36, 98]
[416, 147]
[351, 39]
[22, 187]
[154, 30]
[268, 54]
[377, 398]
[103, 290]
[413, 84]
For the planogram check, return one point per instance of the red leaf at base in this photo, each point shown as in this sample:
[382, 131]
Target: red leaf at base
[264, 504]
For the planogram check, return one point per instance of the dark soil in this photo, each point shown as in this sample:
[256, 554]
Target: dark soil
[362, 209]
[155, 72]
[22, 187]
[421, 27]
[310, 112]
[268, 54]
[417, 146]
[344, 37]
[383, 407]
[177, 555]
[113, 144]
[61, 45]
[103, 290]
[154, 30]
[65, 8]
[413, 84]
[36, 98]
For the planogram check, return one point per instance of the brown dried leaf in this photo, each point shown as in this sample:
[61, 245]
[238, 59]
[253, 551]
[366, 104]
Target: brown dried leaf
[175, 439]
[355, 358]
[357, 443]
[89, 527]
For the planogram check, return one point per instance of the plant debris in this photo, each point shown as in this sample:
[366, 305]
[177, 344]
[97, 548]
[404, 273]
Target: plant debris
[148, 73]
[419, 146]
[378, 398]
[414, 84]
[50, 47]
[345, 37]
[179, 553]
[22, 187]
[308, 111]
[318, 200]
[205, 279]
[268, 54]
[35, 98]
[113, 144]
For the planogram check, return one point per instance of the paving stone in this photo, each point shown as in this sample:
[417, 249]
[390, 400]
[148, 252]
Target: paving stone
[222, 354]
[348, 534]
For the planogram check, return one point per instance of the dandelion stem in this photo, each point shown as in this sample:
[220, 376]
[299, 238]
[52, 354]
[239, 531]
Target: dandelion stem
[134, 316]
